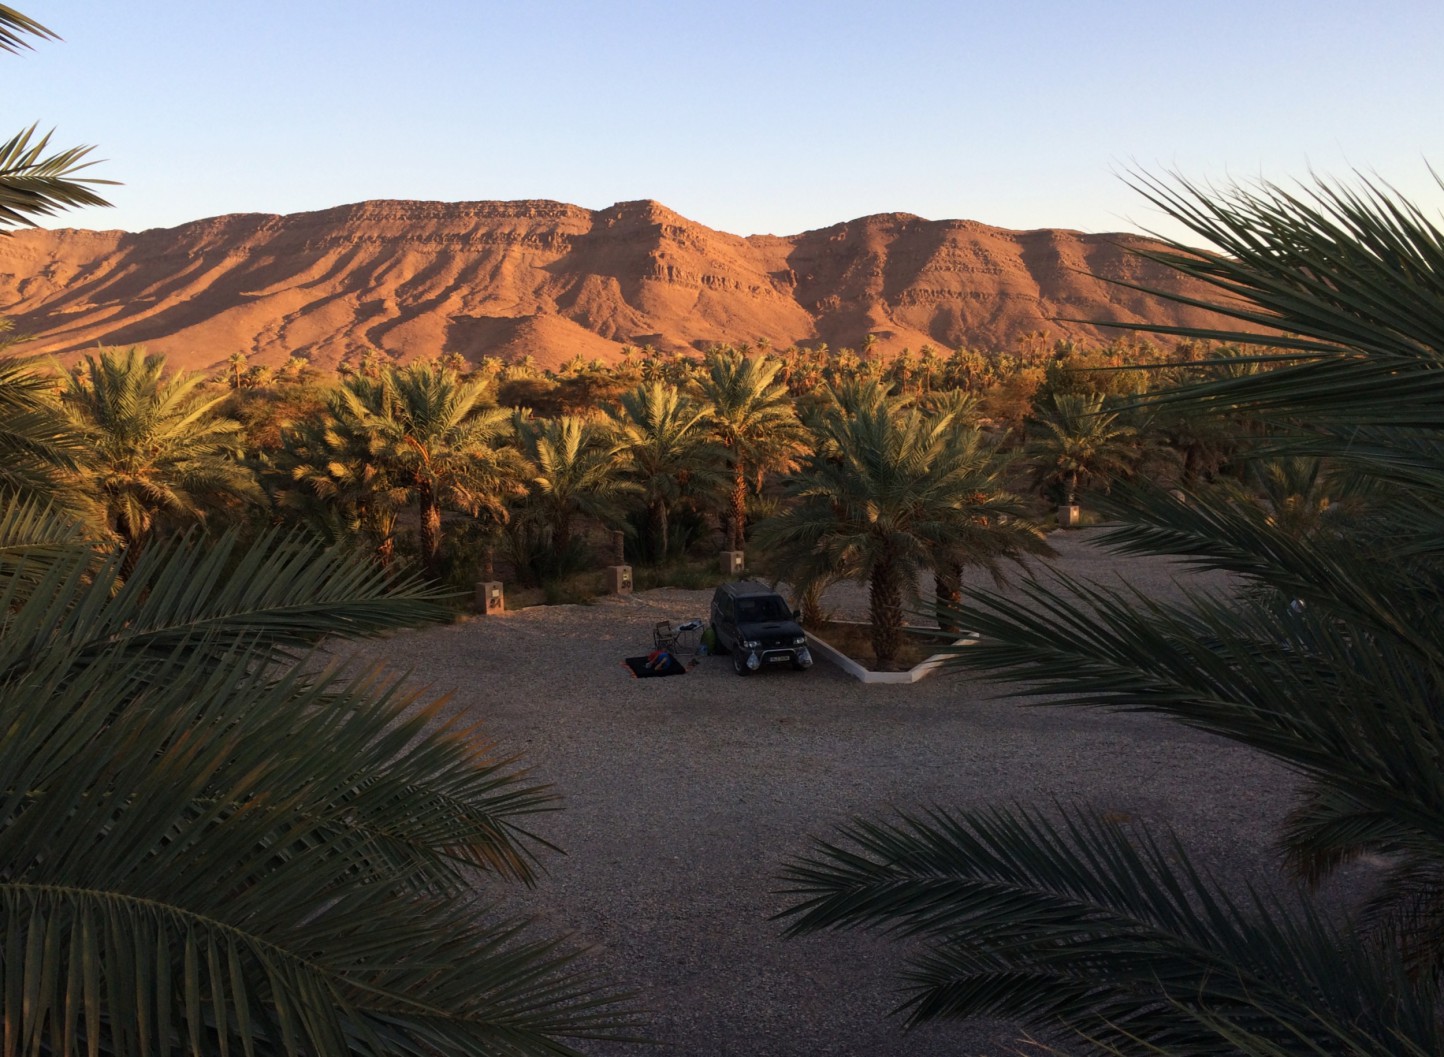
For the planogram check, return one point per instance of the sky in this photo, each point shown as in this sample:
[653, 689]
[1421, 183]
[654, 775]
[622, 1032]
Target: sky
[749, 116]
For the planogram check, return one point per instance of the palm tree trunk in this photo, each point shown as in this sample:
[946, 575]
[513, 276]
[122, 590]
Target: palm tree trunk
[810, 599]
[948, 587]
[130, 537]
[885, 611]
[1191, 459]
[663, 529]
[739, 507]
[430, 512]
[562, 535]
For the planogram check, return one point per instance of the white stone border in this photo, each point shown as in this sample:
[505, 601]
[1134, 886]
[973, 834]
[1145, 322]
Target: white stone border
[866, 675]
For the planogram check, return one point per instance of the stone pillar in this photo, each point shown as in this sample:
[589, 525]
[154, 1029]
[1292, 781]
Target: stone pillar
[490, 599]
[1070, 515]
[732, 563]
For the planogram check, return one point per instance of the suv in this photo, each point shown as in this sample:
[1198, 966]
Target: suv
[753, 623]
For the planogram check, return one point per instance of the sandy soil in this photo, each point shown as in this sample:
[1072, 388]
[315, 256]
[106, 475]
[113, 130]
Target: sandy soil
[684, 796]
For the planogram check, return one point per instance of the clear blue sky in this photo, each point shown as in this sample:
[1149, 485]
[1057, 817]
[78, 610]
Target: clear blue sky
[747, 116]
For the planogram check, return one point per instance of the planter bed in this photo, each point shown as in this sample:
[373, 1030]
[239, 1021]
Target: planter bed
[822, 648]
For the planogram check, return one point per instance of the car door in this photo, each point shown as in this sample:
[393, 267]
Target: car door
[724, 620]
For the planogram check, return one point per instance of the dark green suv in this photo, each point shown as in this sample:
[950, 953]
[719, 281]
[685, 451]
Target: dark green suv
[754, 625]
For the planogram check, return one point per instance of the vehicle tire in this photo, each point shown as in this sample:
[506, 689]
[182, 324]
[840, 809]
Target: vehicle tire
[739, 663]
[798, 666]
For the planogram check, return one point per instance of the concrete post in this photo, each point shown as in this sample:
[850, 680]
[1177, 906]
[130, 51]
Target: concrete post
[490, 598]
[619, 579]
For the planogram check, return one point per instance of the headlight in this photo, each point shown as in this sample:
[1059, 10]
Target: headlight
[801, 640]
[750, 644]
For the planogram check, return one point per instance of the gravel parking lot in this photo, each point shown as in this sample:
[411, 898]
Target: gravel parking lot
[684, 795]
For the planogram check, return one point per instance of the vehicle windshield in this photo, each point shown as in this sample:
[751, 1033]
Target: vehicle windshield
[767, 607]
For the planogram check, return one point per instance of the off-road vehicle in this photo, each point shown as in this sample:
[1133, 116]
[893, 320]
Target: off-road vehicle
[754, 625]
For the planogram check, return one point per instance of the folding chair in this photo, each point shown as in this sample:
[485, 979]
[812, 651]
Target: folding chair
[664, 636]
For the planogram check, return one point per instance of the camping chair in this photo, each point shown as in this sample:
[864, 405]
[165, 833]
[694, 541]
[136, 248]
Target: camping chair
[664, 636]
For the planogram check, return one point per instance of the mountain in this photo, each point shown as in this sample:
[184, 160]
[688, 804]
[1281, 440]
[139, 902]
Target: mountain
[551, 281]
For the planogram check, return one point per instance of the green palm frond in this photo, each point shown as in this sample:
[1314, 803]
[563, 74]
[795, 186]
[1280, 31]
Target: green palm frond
[34, 183]
[35, 537]
[282, 593]
[204, 845]
[1325, 651]
[1347, 283]
[1074, 925]
[225, 852]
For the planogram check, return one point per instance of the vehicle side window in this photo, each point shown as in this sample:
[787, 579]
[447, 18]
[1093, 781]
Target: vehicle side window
[724, 606]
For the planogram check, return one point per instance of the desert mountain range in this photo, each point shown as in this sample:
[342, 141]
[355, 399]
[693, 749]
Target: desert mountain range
[550, 280]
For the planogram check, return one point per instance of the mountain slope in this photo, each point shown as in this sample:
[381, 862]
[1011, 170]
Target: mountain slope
[550, 280]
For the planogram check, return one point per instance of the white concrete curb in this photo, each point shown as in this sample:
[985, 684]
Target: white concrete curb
[864, 675]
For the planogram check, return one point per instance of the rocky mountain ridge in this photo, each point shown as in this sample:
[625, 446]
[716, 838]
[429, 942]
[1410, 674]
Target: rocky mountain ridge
[551, 281]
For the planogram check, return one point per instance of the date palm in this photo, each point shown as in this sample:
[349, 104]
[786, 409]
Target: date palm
[444, 446]
[208, 841]
[1077, 442]
[1332, 662]
[338, 480]
[576, 471]
[751, 416]
[157, 450]
[889, 492]
[663, 436]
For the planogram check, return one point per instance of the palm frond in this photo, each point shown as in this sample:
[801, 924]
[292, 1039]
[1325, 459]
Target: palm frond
[15, 27]
[237, 854]
[33, 183]
[1117, 938]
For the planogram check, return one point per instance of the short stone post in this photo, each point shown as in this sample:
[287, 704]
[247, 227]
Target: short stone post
[1070, 515]
[619, 575]
[490, 598]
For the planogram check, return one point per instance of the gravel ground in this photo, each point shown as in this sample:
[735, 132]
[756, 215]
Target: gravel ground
[684, 796]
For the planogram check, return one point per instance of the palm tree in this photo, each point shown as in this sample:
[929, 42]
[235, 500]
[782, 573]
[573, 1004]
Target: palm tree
[444, 447]
[663, 436]
[209, 841]
[155, 447]
[577, 471]
[32, 182]
[1079, 443]
[751, 415]
[1331, 661]
[339, 480]
[889, 492]
[38, 445]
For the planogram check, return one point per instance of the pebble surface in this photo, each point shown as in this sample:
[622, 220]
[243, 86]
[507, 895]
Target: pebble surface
[684, 796]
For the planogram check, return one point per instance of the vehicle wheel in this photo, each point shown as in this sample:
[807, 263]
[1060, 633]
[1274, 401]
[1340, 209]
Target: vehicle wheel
[739, 663]
[798, 666]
